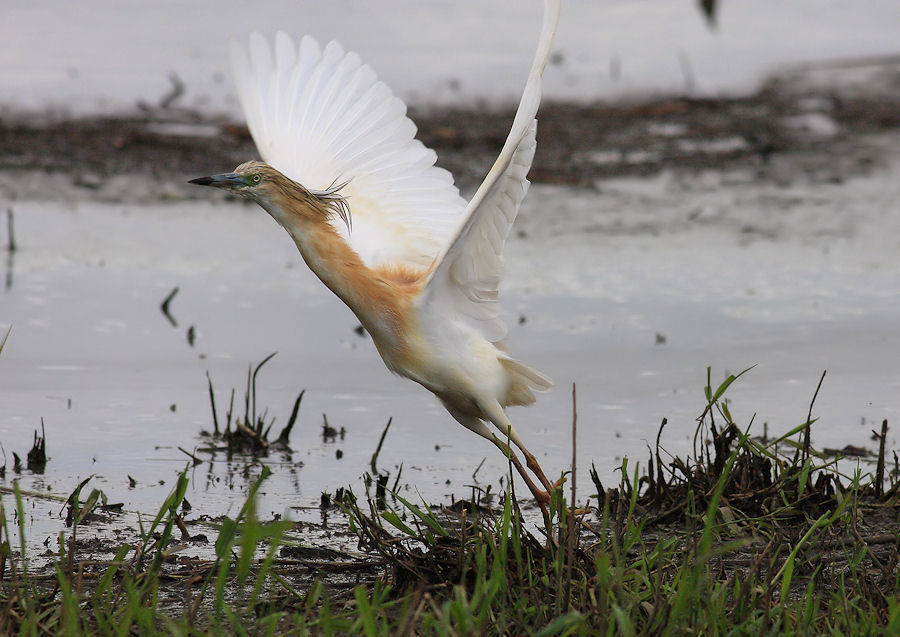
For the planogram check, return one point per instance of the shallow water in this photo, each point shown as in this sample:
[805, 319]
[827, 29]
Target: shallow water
[728, 270]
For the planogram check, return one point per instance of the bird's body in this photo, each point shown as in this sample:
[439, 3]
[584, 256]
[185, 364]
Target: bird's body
[414, 337]
[395, 242]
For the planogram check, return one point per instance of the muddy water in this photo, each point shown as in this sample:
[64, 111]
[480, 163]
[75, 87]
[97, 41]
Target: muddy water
[629, 291]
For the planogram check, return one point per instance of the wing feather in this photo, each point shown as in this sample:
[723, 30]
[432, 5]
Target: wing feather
[467, 274]
[321, 116]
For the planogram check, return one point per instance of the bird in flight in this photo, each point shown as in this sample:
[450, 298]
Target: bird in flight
[386, 230]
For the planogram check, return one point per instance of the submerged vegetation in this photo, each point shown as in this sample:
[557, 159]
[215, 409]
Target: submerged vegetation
[747, 536]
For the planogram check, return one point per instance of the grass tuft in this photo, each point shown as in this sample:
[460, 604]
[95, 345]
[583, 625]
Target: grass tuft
[250, 433]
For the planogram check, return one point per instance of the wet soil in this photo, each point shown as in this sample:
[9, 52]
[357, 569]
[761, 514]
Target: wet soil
[822, 117]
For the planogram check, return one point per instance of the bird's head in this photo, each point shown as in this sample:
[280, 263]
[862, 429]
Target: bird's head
[282, 197]
[252, 179]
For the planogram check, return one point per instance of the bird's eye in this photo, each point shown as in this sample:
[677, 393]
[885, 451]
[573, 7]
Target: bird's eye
[256, 178]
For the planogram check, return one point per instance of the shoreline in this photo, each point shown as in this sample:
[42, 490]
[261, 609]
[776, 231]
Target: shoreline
[824, 125]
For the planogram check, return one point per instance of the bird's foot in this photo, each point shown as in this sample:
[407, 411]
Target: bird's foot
[543, 497]
[543, 500]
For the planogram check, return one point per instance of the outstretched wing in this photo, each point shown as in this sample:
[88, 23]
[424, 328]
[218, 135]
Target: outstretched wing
[467, 274]
[322, 117]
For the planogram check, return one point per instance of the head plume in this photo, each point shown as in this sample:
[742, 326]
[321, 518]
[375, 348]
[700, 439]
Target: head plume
[336, 203]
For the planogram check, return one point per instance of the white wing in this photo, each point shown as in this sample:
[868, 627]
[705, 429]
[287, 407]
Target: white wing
[322, 117]
[467, 274]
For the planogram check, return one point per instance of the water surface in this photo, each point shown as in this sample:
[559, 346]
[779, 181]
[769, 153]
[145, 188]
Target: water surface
[628, 291]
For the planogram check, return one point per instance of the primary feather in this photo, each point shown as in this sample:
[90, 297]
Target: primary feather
[467, 275]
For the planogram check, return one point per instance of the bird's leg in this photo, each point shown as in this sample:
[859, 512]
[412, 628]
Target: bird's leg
[477, 425]
[543, 499]
[498, 417]
[532, 463]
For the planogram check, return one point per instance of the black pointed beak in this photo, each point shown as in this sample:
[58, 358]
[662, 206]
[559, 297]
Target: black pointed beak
[226, 180]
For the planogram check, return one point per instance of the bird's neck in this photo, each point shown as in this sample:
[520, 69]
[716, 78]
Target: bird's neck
[377, 303]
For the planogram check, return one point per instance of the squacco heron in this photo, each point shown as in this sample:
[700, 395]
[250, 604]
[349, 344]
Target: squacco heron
[386, 230]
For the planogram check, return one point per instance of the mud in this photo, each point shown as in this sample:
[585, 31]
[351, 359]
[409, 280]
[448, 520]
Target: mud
[823, 118]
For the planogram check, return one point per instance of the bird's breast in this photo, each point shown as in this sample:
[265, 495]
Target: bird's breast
[400, 342]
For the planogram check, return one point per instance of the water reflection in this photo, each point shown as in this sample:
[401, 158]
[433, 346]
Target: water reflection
[10, 248]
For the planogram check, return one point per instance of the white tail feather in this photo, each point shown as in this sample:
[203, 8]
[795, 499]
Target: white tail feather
[523, 379]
